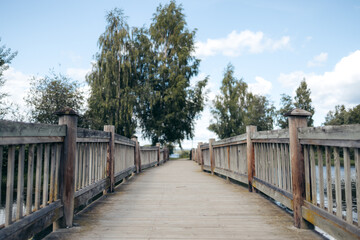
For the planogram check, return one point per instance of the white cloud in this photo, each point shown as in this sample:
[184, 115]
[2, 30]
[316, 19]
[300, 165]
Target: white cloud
[77, 74]
[17, 85]
[237, 43]
[318, 60]
[261, 86]
[339, 86]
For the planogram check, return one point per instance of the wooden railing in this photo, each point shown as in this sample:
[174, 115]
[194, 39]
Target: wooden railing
[52, 171]
[315, 172]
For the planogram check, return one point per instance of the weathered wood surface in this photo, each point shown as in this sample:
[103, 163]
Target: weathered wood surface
[19, 129]
[177, 201]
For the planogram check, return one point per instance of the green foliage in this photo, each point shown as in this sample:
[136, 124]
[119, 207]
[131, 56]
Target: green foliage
[302, 100]
[112, 82]
[342, 116]
[6, 56]
[170, 105]
[235, 108]
[185, 154]
[286, 106]
[50, 94]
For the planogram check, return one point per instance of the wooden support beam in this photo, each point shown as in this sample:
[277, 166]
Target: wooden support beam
[250, 155]
[137, 159]
[158, 153]
[110, 166]
[69, 118]
[211, 152]
[297, 119]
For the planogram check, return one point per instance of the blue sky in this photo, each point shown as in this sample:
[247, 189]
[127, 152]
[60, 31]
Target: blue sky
[273, 45]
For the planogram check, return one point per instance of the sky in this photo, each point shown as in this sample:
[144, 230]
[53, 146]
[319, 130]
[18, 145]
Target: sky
[272, 45]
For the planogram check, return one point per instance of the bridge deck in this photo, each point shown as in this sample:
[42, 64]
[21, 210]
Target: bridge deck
[178, 201]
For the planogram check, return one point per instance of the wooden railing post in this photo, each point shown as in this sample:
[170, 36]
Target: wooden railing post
[201, 159]
[211, 153]
[250, 155]
[199, 153]
[158, 155]
[69, 118]
[297, 119]
[137, 159]
[110, 156]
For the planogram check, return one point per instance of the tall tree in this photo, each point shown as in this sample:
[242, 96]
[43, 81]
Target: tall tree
[112, 81]
[303, 100]
[235, 108]
[50, 94]
[5, 59]
[168, 110]
[342, 116]
[286, 106]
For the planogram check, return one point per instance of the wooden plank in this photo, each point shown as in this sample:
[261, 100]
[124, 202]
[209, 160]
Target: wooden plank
[283, 168]
[297, 167]
[92, 140]
[29, 140]
[81, 166]
[341, 132]
[87, 159]
[357, 167]
[91, 160]
[77, 160]
[272, 134]
[46, 175]
[30, 179]
[276, 171]
[20, 183]
[19, 129]
[275, 140]
[332, 225]
[229, 144]
[328, 180]
[28, 226]
[278, 158]
[9, 186]
[57, 171]
[233, 175]
[124, 140]
[82, 197]
[232, 140]
[321, 176]
[130, 144]
[337, 183]
[348, 197]
[307, 173]
[332, 142]
[288, 169]
[52, 173]
[278, 194]
[110, 155]
[39, 154]
[1, 164]
[88, 133]
[313, 176]
[66, 180]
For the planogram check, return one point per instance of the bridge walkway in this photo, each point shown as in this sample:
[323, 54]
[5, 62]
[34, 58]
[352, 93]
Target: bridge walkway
[178, 201]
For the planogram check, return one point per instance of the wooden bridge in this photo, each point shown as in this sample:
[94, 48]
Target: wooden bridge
[103, 185]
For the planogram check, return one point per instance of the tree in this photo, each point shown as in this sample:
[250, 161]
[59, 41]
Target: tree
[113, 78]
[6, 56]
[342, 116]
[168, 110]
[235, 108]
[50, 94]
[286, 106]
[303, 100]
